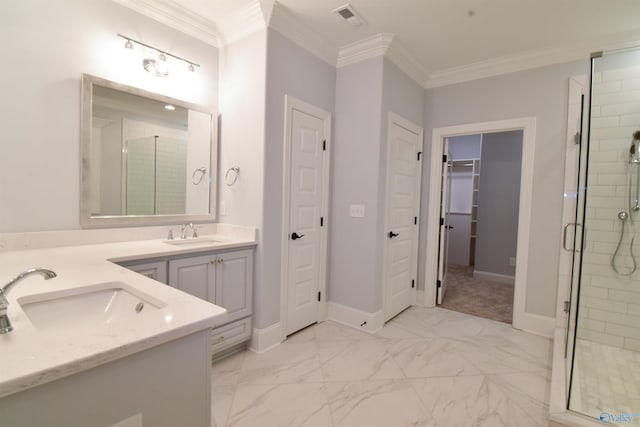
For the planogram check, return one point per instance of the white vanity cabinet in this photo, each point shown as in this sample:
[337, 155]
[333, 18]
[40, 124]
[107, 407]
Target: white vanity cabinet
[156, 270]
[224, 278]
[221, 278]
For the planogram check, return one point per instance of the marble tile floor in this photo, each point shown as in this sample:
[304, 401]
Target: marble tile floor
[426, 367]
[605, 379]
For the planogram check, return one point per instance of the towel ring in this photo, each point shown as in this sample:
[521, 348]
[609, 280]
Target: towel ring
[234, 177]
[197, 180]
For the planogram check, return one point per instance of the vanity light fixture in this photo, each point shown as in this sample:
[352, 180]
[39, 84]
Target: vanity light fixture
[149, 64]
[158, 65]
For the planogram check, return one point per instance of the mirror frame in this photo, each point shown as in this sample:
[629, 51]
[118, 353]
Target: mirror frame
[89, 221]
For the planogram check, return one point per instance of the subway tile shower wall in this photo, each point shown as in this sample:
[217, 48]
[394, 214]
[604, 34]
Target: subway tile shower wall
[610, 302]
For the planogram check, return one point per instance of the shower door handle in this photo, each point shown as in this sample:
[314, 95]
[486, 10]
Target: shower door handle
[565, 231]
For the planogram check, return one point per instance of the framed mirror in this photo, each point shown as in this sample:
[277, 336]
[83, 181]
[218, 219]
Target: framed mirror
[146, 159]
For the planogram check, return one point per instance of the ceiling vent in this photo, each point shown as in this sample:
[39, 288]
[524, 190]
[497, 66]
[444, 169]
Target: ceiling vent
[349, 14]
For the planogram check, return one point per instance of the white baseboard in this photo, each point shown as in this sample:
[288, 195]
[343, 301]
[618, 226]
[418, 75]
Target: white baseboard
[358, 319]
[535, 324]
[266, 338]
[494, 277]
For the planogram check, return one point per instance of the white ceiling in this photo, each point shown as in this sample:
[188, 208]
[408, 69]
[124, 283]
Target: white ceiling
[442, 35]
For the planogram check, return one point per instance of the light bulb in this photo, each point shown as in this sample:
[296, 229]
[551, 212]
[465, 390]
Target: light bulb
[162, 68]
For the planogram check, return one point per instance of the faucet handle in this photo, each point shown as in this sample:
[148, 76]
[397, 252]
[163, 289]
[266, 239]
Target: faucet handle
[170, 236]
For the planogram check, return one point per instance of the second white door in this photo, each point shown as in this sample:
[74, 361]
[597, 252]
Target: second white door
[306, 200]
[404, 171]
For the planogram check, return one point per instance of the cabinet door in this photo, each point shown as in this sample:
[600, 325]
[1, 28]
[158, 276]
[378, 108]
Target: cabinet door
[154, 270]
[234, 283]
[195, 276]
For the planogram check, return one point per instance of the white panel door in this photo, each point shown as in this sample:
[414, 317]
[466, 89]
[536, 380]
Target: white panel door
[306, 190]
[403, 189]
[445, 223]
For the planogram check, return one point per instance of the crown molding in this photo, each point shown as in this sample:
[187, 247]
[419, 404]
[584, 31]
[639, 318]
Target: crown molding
[400, 56]
[243, 22]
[383, 44]
[370, 47]
[289, 25]
[177, 17]
[503, 65]
[531, 59]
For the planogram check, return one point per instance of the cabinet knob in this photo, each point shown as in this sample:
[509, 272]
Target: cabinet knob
[220, 260]
[214, 261]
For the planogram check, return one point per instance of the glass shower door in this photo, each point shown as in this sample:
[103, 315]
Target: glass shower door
[572, 235]
[605, 316]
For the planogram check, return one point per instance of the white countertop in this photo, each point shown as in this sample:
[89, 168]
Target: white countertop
[30, 357]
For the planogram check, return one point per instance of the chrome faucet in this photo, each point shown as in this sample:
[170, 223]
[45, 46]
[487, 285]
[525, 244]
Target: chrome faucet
[183, 230]
[5, 323]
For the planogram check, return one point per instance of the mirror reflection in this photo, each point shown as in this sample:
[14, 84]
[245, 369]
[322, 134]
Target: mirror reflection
[147, 158]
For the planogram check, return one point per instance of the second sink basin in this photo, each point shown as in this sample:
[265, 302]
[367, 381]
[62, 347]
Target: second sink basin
[87, 307]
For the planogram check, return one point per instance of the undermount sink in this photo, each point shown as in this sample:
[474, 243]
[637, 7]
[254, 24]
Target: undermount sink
[194, 241]
[87, 307]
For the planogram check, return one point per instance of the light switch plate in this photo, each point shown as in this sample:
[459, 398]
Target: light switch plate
[356, 211]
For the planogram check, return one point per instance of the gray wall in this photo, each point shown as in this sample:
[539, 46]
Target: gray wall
[292, 71]
[48, 46]
[365, 94]
[356, 162]
[498, 199]
[542, 93]
[465, 147]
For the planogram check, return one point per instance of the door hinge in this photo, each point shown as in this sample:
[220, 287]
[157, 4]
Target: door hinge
[439, 284]
[441, 221]
[324, 145]
[415, 220]
[419, 154]
[319, 294]
[321, 221]
[567, 306]
[413, 284]
[444, 158]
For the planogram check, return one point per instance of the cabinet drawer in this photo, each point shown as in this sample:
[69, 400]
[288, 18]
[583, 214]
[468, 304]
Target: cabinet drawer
[231, 334]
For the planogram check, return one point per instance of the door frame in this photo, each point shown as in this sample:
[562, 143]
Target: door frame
[414, 128]
[521, 319]
[291, 104]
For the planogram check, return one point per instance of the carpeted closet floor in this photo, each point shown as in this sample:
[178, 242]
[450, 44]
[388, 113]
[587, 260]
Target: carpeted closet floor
[478, 297]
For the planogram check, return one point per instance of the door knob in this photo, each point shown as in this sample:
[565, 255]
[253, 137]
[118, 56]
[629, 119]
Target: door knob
[392, 234]
[450, 227]
[296, 236]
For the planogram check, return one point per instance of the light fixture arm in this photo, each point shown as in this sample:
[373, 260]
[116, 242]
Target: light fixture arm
[190, 63]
